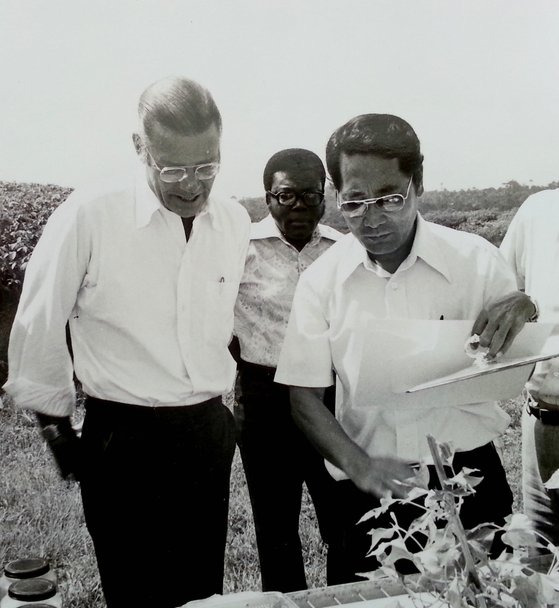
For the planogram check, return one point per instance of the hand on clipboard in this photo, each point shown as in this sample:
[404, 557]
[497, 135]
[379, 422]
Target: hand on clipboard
[531, 347]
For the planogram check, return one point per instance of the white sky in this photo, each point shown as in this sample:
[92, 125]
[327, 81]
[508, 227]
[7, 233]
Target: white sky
[477, 79]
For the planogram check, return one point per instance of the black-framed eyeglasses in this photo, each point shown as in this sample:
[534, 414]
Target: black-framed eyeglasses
[287, 198]
[389, 202]
[173, 175]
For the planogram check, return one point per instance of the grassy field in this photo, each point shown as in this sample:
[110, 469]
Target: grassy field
[41, 515]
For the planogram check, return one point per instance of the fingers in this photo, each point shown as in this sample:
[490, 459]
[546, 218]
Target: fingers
[511, 335]
[386, 476]
[396, 489]
[493, 337]
[500, 332]
[480, 323]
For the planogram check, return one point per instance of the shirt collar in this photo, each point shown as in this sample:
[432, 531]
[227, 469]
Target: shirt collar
[425, 246]
[147, 204]
[267, 228]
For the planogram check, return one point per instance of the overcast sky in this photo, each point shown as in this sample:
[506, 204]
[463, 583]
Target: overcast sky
[477, 79]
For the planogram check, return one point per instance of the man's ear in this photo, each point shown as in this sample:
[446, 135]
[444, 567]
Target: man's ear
[267, 199]
[419, 191]
[138, 145]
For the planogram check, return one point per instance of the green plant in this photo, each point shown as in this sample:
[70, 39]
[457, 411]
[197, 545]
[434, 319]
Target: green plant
[453, 565]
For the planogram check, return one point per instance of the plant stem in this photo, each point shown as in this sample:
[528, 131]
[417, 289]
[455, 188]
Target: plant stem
[455, 520]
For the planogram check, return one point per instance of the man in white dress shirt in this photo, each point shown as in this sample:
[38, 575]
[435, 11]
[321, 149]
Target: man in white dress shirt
[394, 265]
[147, 274]
[277, 458]
[531, 245]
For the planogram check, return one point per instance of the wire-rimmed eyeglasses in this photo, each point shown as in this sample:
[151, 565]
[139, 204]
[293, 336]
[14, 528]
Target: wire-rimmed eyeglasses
[173, 175]
[388, 202]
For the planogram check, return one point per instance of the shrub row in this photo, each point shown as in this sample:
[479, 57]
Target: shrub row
[24, 209]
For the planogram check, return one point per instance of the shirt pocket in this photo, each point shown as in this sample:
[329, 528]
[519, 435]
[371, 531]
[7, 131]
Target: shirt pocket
[218, 320]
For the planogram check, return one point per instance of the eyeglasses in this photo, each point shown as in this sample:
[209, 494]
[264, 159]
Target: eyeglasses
[288, 198]
[173, 175]
[389, 202]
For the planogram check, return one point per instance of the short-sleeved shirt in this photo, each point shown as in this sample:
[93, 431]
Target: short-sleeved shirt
[447, 273]
[531, 246]
[272, 270]
[150, 314]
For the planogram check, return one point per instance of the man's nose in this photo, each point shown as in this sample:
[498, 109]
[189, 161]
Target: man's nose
[374, 216]
[298, 204]
[189, 180]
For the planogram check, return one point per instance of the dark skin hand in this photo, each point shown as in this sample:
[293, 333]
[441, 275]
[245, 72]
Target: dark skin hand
[376, 475]
[64, 445]
[498, 325]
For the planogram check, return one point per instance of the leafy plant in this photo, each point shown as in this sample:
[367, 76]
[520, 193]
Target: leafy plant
[452, 564]
[24, 210]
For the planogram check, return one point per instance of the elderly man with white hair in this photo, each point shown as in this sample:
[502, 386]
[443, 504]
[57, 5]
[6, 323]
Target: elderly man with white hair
[146, 273]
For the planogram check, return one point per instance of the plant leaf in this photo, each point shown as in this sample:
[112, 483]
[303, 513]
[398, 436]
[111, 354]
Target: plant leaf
[378, 534]
[519, 532]
[553, 482]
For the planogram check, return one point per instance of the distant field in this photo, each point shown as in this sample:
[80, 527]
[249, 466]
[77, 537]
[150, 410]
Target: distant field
[42, 515]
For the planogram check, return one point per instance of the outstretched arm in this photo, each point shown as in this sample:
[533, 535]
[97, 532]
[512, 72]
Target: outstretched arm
[375, 475]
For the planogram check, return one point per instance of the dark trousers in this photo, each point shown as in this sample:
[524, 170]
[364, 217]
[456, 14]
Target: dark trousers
[155, 493]
[277, 460]
[492, 502]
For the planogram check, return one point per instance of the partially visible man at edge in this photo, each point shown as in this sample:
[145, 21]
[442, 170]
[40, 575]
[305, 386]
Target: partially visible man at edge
[531, 245]
[393, 265]
[147, 274]
[277, 458]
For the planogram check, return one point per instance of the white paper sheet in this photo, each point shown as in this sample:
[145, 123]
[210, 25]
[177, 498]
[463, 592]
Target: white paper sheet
[423, 363]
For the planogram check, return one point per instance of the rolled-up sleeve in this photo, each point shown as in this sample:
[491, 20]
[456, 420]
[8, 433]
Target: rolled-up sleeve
[306, 357]
[40, 371]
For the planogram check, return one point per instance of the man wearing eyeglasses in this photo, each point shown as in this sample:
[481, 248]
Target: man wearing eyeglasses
[277, 458]
[147, 274]
[393, 266]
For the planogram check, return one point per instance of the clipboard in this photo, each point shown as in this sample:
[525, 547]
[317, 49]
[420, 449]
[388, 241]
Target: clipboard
[476, 371]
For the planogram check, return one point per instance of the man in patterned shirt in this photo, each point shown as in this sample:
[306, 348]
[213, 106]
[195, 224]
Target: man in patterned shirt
[277, 458]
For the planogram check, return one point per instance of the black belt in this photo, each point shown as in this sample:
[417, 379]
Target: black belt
[545, 416]
[128, 413]
[260, 371]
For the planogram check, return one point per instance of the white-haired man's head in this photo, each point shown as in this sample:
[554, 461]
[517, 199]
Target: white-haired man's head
[179, 127]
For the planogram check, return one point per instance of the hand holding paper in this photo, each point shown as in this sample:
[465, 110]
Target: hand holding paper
[499, 324]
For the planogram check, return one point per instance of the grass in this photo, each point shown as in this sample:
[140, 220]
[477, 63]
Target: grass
[42, 515]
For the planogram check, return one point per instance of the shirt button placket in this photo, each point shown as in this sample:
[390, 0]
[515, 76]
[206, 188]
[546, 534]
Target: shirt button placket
[184, 288]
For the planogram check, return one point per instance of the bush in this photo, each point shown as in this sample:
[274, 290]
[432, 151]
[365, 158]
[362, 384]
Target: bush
[490, 224]
[24, 210]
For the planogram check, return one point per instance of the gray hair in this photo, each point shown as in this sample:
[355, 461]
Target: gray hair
[178, 104]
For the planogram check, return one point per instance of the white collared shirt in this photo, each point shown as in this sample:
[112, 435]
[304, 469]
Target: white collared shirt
[447, 273]
[272, 269]
[531, 245]
[150, 314]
